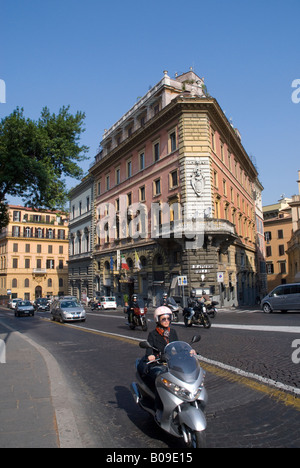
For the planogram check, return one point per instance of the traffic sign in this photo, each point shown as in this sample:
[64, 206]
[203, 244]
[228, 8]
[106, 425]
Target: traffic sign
[220, 276]
[182, 280]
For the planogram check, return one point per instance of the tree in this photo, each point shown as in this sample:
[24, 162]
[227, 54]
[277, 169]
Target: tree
[35, 156]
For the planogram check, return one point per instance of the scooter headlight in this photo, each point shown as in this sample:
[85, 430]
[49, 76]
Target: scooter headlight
[181, 392]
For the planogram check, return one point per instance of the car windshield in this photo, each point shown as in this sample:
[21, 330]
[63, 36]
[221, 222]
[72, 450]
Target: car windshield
[24, 303]
[180, 362]
[68, 304]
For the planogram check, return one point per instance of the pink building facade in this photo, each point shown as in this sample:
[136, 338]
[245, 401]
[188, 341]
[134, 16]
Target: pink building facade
[174, 198]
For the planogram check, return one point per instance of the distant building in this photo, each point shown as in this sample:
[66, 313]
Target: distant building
[81, 272]
[34, 254]
[278, 231]
[293, 248]
[174, 197]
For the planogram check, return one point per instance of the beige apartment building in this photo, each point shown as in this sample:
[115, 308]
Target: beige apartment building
[33, 254]
[278, 229]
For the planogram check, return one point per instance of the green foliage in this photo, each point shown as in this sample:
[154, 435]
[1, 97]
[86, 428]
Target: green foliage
[35, 156]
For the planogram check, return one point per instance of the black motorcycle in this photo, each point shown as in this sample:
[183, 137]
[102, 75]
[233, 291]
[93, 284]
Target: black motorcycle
[211, 309]
[196, 315]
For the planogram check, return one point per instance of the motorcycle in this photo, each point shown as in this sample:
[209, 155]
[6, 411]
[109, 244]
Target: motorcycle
[211, 309]
[181, 390]
[139, 316]
[95, 305]
[174, 308]
[196, 315]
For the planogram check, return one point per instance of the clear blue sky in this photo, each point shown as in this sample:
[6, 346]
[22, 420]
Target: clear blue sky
[99, 56]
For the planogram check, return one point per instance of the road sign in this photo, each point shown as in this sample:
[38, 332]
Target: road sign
[220, 276]
[182, 280]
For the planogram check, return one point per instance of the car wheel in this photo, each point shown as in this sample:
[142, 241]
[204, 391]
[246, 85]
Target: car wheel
[267, 309]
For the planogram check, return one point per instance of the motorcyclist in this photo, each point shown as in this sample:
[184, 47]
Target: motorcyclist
[158, 338]
[193, 303]
[205, 298]
[131, 306]
[164, 300]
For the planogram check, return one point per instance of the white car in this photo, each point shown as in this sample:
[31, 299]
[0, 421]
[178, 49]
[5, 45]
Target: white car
[12, 303]
[108, 302]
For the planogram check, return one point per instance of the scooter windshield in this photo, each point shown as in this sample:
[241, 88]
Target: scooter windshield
[180, 362]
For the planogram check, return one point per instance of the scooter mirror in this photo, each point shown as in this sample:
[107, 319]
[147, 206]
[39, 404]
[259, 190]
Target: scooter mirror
[196, 338]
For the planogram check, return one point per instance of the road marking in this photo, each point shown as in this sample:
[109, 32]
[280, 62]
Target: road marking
[249, 379]
[273, 328]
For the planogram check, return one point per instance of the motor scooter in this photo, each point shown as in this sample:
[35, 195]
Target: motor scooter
[174, 307]
[211, 309]
[181, 390]
[196, 315]
[138, 316]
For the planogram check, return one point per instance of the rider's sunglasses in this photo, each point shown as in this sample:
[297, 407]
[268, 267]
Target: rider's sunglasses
[163, 319]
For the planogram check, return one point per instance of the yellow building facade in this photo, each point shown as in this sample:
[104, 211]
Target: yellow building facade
[34, 250]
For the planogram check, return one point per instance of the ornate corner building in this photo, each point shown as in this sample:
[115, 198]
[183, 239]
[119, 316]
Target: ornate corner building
[174, 195]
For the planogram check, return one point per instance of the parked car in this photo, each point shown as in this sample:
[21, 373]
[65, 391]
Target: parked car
[108, 302]
[24, 308]
[42, 303]
[67, 311]
[12, 303]
[284, 297]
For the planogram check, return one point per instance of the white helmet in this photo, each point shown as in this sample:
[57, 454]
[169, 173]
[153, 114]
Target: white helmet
[162, 310]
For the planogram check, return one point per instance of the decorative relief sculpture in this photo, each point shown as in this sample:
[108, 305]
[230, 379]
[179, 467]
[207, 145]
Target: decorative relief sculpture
[197, 180]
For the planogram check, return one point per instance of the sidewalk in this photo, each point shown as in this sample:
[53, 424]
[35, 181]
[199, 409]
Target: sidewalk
[27, 416]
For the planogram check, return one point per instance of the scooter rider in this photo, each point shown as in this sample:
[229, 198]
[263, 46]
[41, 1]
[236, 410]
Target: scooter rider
[158, 338]
[164, 301]
[193, 302]
[132, 305]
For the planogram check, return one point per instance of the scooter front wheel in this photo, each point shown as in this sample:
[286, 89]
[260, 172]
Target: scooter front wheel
[196, 439]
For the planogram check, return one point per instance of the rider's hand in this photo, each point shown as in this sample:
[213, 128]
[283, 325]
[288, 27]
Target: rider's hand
[193, 352]
[151, 357]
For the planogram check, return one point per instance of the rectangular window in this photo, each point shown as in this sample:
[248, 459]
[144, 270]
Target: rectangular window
[142, 193]
[107, 182]
[129, 169]
[142, 161]
[172, 140]
[156, 187]
[156, 151]
[174, 179]
[118, 176]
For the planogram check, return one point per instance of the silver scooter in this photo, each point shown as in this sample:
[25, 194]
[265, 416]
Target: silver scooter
[181, 391]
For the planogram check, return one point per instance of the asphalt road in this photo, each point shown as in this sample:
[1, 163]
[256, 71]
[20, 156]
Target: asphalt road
[252, 382]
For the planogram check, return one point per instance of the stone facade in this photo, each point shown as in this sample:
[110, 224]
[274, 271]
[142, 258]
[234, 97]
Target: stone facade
[176, 149]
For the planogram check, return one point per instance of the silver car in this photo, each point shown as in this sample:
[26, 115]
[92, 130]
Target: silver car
[67, 311]
[24, 308]
[284, 297]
